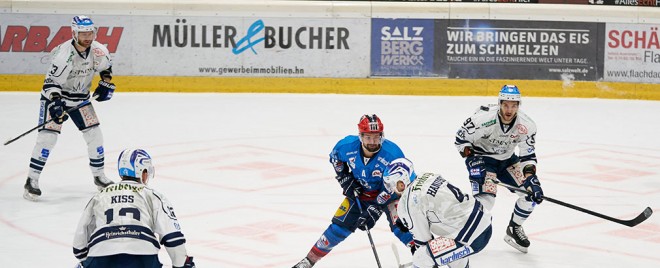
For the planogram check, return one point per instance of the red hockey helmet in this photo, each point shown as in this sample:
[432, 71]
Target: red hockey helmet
[370, 124]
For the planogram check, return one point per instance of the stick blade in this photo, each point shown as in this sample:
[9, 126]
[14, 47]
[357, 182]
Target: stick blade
[640, 218]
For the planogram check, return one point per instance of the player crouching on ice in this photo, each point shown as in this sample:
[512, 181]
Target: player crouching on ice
[447, 225]
[119, 225]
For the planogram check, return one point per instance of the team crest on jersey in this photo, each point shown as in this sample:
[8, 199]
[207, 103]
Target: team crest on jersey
[377, 173]
[522, 129]
[351, 162]
[98, 52]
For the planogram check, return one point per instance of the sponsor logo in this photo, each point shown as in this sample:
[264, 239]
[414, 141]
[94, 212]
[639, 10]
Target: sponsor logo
[45, 152]
[351, 162]
[489, 123]
[377, 173]
[456, 255]
[323, 242]
[343, 209]
[35, 38]
[402, 45]
[522, 129]
[184, 34]
[441, 245]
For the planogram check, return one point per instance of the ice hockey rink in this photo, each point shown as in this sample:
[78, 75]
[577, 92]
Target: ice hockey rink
[250, 180]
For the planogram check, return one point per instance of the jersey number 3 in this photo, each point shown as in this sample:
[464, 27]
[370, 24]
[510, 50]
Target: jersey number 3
[110, 213]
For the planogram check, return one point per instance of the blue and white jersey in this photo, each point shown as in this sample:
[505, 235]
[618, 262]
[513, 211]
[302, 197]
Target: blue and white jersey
[129, 218]
[430, 206]
[367, 171]
[487, 136]
[71, 72]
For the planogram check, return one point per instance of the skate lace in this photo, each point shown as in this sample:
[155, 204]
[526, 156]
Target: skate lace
[520, 232]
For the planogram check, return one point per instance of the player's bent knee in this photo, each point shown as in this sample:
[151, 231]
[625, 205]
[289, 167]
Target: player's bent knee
[93, 136]
[47, 139]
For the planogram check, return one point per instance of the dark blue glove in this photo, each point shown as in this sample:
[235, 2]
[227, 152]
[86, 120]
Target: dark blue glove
[56, 109]
[189, 263]
[477, 168]
[349, 185]
[104, 91]
[368, 217]
[533, 186]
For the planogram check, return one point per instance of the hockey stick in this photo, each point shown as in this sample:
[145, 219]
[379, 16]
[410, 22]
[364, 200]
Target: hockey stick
[398, 259]
[637, 220]
[373, 247]
[48, 121]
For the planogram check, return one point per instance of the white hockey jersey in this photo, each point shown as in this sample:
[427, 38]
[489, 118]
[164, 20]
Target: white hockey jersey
[432, 206]
[71, 72]
[130, 218]
[487, 136]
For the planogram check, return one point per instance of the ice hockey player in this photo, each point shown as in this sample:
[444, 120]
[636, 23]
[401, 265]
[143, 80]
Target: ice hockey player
[359, 163]
[67, 84]
[119, 225]
[447, 225]
[487, 140]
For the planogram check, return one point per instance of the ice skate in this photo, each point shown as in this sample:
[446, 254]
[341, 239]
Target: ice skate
[515, 236]
[102, 181]
[304, 263]
[32, 191]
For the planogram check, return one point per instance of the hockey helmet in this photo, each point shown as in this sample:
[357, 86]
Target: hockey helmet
[370, 124]
[133, 162]
[509, 93]
[82, 24]
[400, 169]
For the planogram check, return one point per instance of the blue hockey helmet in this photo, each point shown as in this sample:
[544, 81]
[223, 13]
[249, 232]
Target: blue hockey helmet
[133, 162]
[81, 24]
[400, 169]
[509, 93]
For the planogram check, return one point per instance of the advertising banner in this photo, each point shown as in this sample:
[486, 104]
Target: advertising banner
[199, 46]
[502, 49]
[651, 3]
[402, 47]
[632, 53]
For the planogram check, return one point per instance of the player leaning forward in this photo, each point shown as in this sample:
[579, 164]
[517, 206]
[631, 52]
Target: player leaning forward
[67, 85]
[448, 225]
[488, 140]
[119, 225]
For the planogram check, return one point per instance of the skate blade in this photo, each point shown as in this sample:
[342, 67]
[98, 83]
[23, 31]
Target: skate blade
[509, 240]
[31, 197]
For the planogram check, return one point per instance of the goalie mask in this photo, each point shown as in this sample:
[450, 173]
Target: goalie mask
[82, 24]
[133, 162]
[371, 132]
[399, 170]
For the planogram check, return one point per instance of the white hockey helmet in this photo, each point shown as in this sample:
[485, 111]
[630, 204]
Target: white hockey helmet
[82, 23]
[133, 162]
[400, 169]
[509, 93]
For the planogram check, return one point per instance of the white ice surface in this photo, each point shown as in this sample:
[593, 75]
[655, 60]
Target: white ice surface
[251, 183]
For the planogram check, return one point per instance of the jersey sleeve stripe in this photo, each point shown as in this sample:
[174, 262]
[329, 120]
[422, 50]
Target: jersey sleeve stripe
[123, 231]
[80, 253]
[173, 239]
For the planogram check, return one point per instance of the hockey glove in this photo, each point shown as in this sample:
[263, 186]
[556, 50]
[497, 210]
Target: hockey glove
[477, 168]
[349, 185]
[56, 109]
[533, 186]
[368, 217]
[104, 91]
[189, 263]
